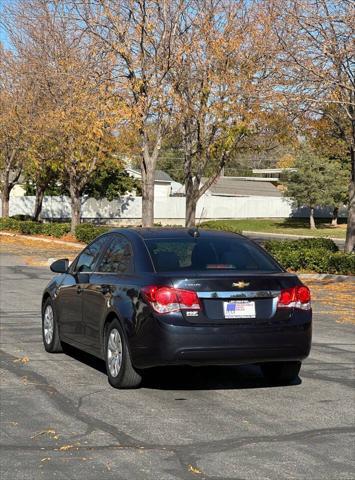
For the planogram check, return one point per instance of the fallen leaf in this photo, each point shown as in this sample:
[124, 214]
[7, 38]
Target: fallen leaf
[64, 448]
[22, 360]
[50, 432]
[194, 470]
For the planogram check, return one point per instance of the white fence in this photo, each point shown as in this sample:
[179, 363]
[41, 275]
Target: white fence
[169, 210]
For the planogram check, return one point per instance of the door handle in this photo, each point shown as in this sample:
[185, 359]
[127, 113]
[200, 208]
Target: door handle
[79, 289]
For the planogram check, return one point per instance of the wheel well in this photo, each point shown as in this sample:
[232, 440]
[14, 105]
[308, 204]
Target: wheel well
[44, 299]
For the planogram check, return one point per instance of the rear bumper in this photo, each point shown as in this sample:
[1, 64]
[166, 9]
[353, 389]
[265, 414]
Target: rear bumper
[169, 344]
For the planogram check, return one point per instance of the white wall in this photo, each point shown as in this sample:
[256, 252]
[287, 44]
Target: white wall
[167, 209]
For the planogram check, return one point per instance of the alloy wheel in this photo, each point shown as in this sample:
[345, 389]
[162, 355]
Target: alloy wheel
[114, 352]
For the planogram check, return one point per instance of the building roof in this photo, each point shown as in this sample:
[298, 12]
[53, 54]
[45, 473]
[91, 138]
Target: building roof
[162, 176]
[159, 175]
[235, 187]
[273, 170]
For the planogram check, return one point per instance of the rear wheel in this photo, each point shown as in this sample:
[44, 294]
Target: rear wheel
[50, 333]
[120, 371]
[281, 372]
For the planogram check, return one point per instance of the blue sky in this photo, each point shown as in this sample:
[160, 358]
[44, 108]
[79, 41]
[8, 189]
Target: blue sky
[3, 36]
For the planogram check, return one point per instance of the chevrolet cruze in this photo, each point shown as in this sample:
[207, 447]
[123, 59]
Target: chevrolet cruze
[140, 298]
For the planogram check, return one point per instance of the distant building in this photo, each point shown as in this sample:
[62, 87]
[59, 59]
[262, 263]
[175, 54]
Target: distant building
[164, 185]
[242, 187]
[273, 175]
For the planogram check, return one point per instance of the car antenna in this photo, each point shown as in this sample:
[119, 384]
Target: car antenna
[194, 232]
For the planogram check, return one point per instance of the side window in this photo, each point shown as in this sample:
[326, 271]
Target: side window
[87, 259]
[118, 257]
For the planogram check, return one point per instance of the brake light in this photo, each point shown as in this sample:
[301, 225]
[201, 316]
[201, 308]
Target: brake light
[295, 297]
[167, 299]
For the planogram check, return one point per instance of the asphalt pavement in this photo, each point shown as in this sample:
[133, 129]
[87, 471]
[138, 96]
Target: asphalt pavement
[60, 419]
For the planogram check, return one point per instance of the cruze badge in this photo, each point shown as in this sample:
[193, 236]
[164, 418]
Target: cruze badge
[241, 284]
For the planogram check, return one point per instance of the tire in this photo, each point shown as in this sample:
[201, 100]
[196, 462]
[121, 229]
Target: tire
[281, 372]
[120, 371]
[50, 333]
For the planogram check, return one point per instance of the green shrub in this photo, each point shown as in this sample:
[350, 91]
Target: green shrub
[55, 229]
[20, 216]
[342, 263]
[220, 225]
[319, 255]
[8, 223]
[29, 227]
[86, 232]
[301, 244]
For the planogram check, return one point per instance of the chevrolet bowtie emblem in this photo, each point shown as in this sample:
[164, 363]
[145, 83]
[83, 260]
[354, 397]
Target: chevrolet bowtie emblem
[241, 284]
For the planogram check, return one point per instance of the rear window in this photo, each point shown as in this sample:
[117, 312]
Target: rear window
[212, 253]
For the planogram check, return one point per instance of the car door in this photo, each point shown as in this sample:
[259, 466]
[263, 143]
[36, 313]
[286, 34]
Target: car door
[70, 294]
[98, 294]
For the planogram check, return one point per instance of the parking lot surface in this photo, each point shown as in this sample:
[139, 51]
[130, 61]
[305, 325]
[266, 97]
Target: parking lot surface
[60, 419]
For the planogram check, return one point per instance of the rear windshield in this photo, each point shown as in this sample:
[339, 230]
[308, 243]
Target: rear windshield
[212, 253]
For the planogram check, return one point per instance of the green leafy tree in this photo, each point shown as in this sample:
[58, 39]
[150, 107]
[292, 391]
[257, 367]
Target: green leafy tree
[318, 182]
[110, 181]
[339, 187]
[327, 134]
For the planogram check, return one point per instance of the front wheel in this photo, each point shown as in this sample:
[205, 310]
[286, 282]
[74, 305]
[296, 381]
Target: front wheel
[50, 333]
[281, 372]
[120, 371]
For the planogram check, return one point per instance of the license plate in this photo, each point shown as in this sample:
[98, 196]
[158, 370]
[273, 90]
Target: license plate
[239, 309]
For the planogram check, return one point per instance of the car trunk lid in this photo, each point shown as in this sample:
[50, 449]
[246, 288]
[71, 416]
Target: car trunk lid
[236, 298]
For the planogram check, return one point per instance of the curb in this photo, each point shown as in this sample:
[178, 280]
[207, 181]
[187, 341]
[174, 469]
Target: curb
[46, 240]
[327, 276]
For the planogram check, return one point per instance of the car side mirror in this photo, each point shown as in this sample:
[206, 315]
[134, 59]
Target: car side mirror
[60, 266]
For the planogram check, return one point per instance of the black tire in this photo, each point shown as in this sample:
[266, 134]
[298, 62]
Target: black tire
[281, 372]
[127, 376]
[52, 342]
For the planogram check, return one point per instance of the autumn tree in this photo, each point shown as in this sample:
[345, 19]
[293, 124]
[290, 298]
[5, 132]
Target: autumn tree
[220, 87]
[15, 118]
[140, 36]
[315, 64]
[72, 88]
[44, 166]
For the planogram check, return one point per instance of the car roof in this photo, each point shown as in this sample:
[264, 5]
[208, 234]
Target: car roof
[166, 232]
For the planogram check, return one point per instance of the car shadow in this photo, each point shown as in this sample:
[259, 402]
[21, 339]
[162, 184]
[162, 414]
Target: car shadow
[189, 378]
[84, 357]
[207, 378]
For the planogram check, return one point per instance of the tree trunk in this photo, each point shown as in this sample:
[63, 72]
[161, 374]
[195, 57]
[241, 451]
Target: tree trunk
[5, 200]
[9, 178]
[190, 216]
[75, 210]
[312, 223]
[190, 202]
[350, 230]
[335, 217]
[147, 195]
[38, 203]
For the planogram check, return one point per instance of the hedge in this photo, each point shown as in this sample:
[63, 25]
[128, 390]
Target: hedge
[302, 243]
[319, 255]
[224, 225]
[29, 227]
[87, 232]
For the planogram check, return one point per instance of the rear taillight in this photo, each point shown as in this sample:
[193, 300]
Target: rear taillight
[295, 297]
[167, 299]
